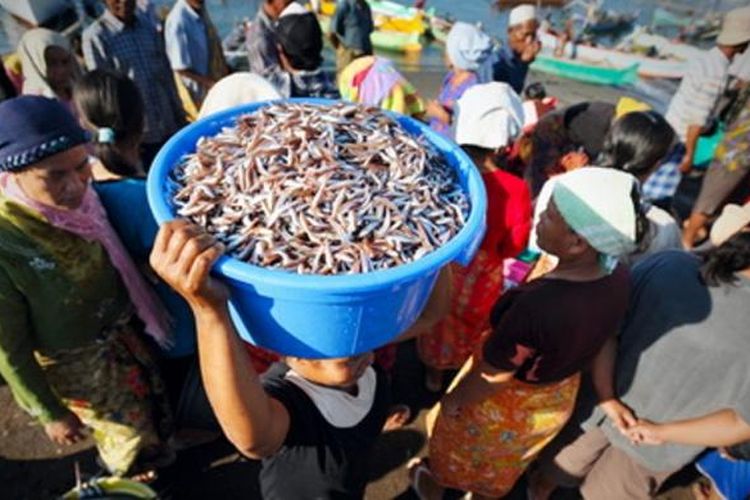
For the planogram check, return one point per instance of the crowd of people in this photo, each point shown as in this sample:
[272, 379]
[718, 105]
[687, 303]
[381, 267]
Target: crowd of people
[616, 359]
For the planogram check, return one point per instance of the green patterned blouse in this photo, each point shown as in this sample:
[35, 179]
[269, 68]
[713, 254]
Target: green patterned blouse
[57, 292]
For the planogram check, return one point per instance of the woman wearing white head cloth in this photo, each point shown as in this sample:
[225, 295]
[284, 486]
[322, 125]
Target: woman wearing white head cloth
[235, 90]
[49, 66]
[520, 387]
[488, 118]
[467, 54]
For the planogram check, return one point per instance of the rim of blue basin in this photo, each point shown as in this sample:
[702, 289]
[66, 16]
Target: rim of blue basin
[170, 154]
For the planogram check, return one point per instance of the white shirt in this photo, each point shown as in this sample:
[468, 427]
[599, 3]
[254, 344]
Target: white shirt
[740, 67]
[696, 99]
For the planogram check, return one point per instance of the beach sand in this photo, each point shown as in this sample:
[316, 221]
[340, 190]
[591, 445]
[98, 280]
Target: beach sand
[31, 467]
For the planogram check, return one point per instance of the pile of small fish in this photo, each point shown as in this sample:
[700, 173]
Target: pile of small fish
[334, 189]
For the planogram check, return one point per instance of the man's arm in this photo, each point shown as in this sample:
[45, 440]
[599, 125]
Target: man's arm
[721, 428]
[254, 422]
[691, 142]
[176, 44]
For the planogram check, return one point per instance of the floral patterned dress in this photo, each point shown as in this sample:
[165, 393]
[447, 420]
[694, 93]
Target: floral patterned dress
[477, 287]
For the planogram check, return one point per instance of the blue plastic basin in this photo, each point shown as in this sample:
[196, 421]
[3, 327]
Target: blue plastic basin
[326, 316]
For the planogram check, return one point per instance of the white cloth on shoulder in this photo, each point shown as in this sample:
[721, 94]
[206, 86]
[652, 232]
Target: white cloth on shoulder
[338, 407]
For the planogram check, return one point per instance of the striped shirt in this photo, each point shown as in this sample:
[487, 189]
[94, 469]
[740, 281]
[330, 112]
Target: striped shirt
[698, 94]
[137, 51]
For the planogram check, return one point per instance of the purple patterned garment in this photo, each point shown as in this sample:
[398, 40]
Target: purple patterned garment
[448, 96]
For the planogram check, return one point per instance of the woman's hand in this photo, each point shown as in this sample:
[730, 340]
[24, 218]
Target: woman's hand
[183, 255]
[66, 430]
[645, 432]
[436, 110]
[621, 416]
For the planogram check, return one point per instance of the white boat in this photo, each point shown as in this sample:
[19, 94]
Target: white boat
[642, 39]
[648, 67]
[35, 12]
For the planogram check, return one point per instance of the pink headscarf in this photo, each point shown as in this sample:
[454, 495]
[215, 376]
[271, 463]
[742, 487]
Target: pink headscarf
[89, 221]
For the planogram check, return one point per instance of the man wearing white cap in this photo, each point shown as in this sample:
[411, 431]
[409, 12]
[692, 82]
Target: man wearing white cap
[515, 57]
[695, 103]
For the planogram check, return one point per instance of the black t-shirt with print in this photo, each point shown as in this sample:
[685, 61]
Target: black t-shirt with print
[318, 460]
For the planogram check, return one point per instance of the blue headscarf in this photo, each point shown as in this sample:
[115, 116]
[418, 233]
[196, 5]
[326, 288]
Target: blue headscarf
[469, 49]
[33, 128]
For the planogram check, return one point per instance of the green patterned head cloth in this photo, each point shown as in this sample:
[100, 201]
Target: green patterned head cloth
[597, 204]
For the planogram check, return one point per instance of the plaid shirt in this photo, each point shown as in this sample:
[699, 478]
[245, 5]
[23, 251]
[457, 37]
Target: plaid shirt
[138, 52]
[319, 83]
[664, 182]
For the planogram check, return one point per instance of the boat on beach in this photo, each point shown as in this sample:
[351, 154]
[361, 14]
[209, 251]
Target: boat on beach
[388, 16]
[692, 23]
[609, 22]
[642, 40]
[391, 41]
[597, 74]
[35, 12]
[57, 15]
[439, 27]
[648, 67]
[505, 4]
[398, 28]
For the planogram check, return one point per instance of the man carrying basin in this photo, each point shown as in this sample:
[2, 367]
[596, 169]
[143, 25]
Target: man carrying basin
[313, 425]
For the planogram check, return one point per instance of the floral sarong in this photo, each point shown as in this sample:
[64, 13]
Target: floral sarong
[489, 445]
[114, 387]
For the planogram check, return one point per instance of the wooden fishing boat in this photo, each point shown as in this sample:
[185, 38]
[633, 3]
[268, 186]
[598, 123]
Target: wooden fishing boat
[439, 28]
[642, 40]
[610, 22]
[692, 24]
[391, 41]
[586, 72]
[504, 4]
[35, 12]
[388, 16]
[648, 67]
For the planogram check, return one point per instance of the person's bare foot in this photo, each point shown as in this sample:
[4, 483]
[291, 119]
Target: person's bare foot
[421, 480]
[398, 416]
